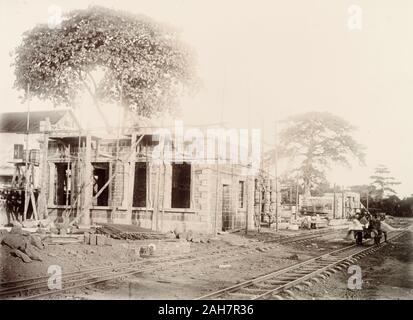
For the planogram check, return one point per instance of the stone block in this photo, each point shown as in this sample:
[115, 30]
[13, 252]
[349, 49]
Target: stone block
[86, 238]
[100, 240]
[92, 239]
[31, 252]
[21, 255]
[108, 241]
[15, 241]
[36, 241]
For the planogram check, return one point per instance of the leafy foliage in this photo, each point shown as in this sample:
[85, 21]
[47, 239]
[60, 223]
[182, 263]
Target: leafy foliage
[315, 141]
[142, 60]
[383, 182]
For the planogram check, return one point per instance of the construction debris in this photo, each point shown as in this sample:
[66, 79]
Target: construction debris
[127, 232]
[21, 255]
[22, 244]
[63, 239]
[96, 239]
[148, 250]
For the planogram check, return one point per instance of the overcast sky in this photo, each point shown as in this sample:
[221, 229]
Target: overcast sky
[284, 57]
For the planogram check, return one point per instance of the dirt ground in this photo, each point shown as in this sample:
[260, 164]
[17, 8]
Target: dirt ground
[188, 281]
[387, 275]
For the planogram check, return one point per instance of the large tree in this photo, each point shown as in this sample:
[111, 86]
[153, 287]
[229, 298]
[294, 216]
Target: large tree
[135, 57]
[383, 183]
[313, 142]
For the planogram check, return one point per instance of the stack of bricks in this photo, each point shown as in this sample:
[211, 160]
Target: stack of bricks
[97, 239]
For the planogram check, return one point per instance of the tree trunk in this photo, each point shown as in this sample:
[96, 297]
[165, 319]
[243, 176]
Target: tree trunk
[307, 191]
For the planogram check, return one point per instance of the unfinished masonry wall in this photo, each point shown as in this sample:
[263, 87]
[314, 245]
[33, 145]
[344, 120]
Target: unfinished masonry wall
[204, 213]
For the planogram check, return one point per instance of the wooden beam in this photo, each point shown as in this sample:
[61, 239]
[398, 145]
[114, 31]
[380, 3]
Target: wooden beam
[88, 186]
[33, 199]
[87, 192]
[42, 200]
[131, 178]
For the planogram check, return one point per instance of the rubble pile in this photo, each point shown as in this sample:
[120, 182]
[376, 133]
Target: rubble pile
[190, 236]
[22, 244]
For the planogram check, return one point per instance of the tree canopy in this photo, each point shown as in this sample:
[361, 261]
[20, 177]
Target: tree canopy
[382, 182]
[314, 141]
[140, 60]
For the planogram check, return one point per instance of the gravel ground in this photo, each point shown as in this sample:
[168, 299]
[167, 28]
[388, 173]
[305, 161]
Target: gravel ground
[387, 274]
[193, 280]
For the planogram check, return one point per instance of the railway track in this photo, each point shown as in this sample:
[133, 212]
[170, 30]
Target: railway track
[38, 287]
[273, 284]
[302, 238]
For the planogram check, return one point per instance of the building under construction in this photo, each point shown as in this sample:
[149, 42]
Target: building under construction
[85, 178]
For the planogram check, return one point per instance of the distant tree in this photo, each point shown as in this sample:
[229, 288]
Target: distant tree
[322, 188]
[365, 191]
[314, 141]
[135, 57]
[392, 205]
[406, 207]
[383, 182]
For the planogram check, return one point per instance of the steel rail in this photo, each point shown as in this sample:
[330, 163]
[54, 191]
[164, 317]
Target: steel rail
[325, 262]
[38, 283]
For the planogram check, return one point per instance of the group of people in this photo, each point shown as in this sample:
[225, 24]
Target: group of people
[367, 225]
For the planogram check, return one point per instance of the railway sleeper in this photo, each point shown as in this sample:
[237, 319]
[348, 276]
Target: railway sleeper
[252, 291]
[302, 273]
[307, 283]
[276, 282]
[239, 295]
[264, 286]
[309, 270]
[287, 278]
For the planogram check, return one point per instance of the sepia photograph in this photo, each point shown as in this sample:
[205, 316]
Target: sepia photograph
[215, 153]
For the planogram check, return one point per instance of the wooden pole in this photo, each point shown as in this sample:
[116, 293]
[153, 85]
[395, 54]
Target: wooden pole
[67, 180]
[148, 184]
[113, 202]
[131, 180]
[163, 193]
[276, 175]
[343, 204]
[334, 201]
[296, 200]
[88, 189]
[27, 172]
[78, 176]
[156, 206]
[33, 199]
[247, 211]
[216, 198]
[43, 173]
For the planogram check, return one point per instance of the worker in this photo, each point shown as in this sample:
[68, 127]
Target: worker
[382, 217]
[356, 228]
[376, 228]
[364, 220]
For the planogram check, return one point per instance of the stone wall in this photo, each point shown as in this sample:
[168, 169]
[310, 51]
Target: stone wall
[205, 212]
